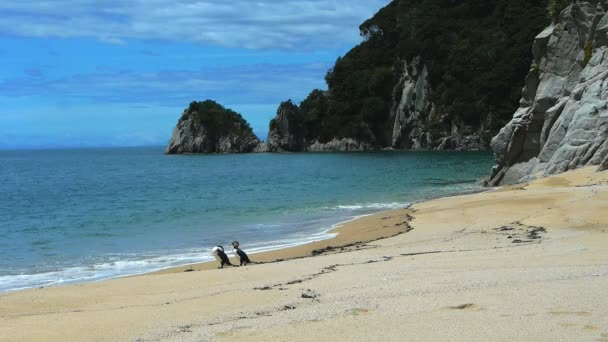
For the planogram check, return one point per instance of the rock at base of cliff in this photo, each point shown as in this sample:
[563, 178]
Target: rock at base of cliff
[341, 145]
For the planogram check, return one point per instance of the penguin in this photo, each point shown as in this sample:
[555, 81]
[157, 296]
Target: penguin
[220, 256]
[239, 252]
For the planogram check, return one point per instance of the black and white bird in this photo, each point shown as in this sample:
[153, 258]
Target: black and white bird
[244, 259]
[220, 256]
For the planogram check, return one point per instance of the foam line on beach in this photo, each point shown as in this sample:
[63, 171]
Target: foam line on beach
[125, 268]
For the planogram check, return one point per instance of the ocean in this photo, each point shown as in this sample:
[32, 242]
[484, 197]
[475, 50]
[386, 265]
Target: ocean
[79, 215]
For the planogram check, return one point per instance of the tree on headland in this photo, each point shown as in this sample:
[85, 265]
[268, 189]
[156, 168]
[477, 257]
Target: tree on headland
[217, 120]
[477, 53]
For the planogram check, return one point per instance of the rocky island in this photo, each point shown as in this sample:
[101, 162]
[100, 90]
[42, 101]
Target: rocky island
[208, 127]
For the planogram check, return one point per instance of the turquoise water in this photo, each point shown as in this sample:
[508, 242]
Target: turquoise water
[81, 215]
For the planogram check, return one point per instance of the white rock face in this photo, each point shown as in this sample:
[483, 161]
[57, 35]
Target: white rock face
[188, 136]
[413, 112]
[410, 105]
[562, 122]
[282, 137]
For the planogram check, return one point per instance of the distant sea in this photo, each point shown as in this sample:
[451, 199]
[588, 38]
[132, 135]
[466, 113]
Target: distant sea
[87, 214]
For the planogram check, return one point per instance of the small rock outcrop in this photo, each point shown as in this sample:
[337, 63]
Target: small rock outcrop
[286, 130]
[208, 127]
[288, 133]
[562, 122]
[341, 145]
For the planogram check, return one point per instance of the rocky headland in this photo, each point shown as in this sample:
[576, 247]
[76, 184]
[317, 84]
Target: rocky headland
[427, 76]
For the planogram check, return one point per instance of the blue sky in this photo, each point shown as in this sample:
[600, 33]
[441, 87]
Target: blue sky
[119, 73]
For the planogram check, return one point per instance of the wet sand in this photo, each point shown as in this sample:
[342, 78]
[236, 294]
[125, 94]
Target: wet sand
[350, 236]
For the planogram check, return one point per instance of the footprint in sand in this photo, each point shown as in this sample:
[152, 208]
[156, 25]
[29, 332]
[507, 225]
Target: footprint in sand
[233, 332]
[358, 312]
[570, 313]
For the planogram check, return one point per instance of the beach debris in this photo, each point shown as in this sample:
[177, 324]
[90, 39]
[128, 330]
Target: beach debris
[339, 249]
[322, 250]
[535, 231]
[331, 268]
[357, 311]
[467, 306]
[324, 270]
[521, 233]
[263, 288]
[309, 294]
[184, 328]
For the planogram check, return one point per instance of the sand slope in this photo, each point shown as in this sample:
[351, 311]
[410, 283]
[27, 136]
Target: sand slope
[529, 262]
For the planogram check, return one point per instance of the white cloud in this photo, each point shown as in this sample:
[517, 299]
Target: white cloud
[249, 84]
[289, 24]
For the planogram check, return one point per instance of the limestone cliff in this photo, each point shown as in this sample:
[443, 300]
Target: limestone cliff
[562, 121]
[207, 127]
[417, 122]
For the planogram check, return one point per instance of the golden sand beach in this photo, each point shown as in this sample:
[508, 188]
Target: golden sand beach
[526, 263]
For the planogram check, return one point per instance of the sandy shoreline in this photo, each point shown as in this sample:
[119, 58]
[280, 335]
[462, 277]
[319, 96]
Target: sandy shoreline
[527, 262]
[349, 234]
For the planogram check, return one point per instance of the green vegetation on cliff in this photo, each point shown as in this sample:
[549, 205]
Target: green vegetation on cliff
[477, 54]
[555, 7]
[308, 121]
[217, 120]
[208, 127]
